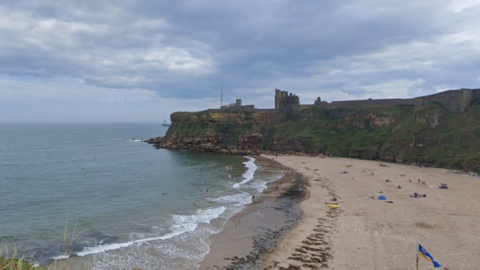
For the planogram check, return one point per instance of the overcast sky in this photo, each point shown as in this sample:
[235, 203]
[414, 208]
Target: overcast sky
[139, 61]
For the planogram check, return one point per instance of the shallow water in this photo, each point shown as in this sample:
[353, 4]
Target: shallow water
[132, 205]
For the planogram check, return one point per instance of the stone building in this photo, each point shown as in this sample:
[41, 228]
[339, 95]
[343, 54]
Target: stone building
[285, 101]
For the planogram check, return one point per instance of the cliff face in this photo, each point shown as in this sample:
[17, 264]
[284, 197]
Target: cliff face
[427, 134]
[213, 131]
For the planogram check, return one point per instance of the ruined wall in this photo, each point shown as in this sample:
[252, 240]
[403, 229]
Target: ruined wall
[369, 102]
[267, 111]
[476, 94]
[455, 101]
[302, 107]
[245, 108]
[285, 101]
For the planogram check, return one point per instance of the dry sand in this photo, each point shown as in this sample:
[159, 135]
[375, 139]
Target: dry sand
[372, 234]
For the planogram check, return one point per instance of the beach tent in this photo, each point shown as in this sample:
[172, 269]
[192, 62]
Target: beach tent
[381, 197]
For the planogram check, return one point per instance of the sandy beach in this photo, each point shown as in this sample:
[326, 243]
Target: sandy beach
[245, 240]
[366, 233]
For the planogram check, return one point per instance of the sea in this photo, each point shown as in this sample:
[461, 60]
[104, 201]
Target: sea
[96, 193]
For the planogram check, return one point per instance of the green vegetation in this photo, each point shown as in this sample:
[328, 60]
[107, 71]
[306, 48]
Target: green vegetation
[15, 261]
[17, 264]
[428, 135]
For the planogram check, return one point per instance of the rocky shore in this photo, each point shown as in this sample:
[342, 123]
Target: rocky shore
[249, 145]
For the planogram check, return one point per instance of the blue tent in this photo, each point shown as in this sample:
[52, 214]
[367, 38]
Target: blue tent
[381, 197]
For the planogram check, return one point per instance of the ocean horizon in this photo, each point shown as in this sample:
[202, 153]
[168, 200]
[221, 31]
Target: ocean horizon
[128, 204]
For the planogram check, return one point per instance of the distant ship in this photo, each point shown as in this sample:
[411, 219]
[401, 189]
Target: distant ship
[165, 124]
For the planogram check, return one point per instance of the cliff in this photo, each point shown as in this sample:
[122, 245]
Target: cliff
[429, 134]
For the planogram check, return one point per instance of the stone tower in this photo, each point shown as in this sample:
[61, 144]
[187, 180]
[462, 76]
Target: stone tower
[285, 101]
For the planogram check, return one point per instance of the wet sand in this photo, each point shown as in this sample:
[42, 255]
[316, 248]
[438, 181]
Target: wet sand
[363, 233]
[243, 243]
[374, 234]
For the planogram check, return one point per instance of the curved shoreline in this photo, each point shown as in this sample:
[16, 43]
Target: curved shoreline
[245, 244]
[372, 234]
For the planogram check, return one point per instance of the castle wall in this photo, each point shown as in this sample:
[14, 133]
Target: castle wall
[303, 107]
[246, 108]
[369, 103]
[267, 111]
[284, 100]
[476, 94]
[455, 101]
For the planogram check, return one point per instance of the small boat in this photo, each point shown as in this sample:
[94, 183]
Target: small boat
[165, 124]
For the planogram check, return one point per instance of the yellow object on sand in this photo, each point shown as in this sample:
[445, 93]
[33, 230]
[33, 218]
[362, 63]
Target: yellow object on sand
[333, 205]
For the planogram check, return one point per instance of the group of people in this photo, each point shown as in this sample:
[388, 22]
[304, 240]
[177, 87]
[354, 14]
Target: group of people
[417, 195]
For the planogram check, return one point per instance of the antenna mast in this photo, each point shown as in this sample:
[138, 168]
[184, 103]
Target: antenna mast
[221, 96]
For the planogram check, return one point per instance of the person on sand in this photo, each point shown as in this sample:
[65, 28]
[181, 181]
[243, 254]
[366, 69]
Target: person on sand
[237, 219]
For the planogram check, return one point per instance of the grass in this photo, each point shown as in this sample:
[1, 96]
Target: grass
[11, 262]
[429, 134]
[14, 261]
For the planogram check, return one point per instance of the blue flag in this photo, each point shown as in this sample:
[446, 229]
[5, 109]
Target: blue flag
[424, 253]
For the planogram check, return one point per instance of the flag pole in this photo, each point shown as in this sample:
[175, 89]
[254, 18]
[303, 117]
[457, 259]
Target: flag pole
[416, 248]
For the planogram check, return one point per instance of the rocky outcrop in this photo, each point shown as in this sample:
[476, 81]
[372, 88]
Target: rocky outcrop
[428, 134]
[247, 144]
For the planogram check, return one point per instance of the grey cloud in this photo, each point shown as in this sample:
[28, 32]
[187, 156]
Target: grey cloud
[188, 49]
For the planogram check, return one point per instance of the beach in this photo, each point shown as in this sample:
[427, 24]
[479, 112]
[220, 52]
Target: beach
[373, 234]
[364, 232]
[254, 231]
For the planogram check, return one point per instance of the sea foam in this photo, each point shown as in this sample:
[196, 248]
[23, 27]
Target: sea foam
[182, 224]
[248, 175]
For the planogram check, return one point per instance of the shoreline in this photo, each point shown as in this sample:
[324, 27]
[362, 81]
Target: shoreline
[369, 233]
[244, 244]
[363, 233]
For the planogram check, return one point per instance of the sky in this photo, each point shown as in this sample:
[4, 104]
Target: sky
[140, 61]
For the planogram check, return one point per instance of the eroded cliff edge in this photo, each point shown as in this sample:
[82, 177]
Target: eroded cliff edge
[429, 134]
